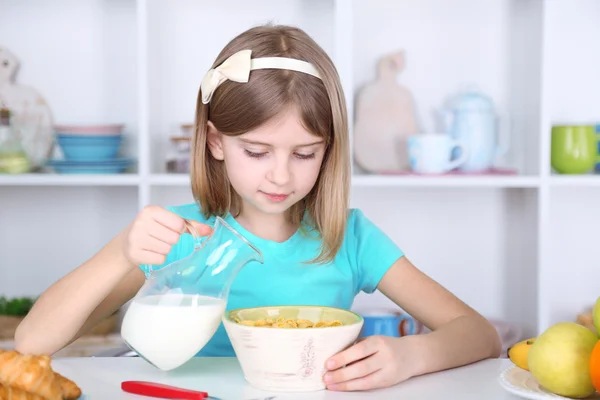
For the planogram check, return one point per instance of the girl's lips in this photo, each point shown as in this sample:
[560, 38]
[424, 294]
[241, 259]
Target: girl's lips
[276, 197]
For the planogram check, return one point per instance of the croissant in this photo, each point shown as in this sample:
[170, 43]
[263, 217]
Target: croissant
[10, 393]
[70, 390]
[29, 373]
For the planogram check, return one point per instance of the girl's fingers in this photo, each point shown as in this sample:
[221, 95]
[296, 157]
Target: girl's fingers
[360, 350]
[163, 234]
[201, 229]
[373, 381]
[150, 257]
[355, 370]
[164, 217]
[154, 245]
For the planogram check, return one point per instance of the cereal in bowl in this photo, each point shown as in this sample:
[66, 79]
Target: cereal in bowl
[281, 322]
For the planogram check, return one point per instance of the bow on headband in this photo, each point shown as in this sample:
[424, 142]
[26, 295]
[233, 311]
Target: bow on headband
[237, 69]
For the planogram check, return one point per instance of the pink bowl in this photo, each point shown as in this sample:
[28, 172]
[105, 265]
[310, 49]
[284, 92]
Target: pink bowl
[108, 130]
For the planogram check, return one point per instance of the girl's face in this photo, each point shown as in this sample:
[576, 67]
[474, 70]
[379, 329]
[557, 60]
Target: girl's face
[273, 167]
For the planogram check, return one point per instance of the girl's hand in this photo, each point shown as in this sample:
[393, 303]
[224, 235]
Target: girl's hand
[153, 233]
[374, 362]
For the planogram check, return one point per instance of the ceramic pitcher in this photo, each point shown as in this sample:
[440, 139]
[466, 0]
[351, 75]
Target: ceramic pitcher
[472, 120]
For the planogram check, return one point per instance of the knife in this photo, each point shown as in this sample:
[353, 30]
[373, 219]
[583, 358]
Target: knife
[159, 390]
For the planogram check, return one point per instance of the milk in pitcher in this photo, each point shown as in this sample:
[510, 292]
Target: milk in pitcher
[168, 330]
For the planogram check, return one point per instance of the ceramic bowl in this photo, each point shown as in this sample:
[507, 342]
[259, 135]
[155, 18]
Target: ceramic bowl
[93, 130]
[289, 359]
[88, 148]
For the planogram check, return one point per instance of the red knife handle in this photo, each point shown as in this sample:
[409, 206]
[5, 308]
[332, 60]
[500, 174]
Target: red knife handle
[159, 390]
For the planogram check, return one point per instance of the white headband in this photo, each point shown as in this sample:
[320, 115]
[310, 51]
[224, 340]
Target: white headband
[237, 68]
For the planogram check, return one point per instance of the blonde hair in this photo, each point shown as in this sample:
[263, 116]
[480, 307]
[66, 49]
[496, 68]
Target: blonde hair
[236, 108]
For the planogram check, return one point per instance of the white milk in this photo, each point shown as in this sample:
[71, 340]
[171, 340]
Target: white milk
[168, 330]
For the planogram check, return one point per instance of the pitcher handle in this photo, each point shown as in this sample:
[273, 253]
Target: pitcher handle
[147, 268]
[190, 228]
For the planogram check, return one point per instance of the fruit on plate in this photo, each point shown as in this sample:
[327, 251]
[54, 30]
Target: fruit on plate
[519, 352]
[596, 316]
[595, 366]
[559, 360]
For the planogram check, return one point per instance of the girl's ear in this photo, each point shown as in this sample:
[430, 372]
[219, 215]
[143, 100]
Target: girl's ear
[213, 136]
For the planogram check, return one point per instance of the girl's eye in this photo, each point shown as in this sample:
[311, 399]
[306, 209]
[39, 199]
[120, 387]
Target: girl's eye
[254, 155]
[305, 156]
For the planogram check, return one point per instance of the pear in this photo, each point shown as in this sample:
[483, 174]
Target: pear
[596, 316]
[559, 360]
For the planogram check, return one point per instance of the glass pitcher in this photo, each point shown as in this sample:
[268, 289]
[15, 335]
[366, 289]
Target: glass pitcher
[179, 307]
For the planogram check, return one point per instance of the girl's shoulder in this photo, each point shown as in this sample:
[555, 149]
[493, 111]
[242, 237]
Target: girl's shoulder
[358, 222]
[369, 250]
[364, 237]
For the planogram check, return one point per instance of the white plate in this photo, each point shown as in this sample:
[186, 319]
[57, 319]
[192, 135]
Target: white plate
[521, 383]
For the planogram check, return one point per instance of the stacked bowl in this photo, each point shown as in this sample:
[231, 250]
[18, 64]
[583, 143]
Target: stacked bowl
[89, 149]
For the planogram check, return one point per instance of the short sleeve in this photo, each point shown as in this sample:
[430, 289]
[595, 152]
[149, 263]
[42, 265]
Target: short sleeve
[374, 251]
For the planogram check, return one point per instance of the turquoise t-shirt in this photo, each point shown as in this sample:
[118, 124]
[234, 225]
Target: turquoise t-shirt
[285, 279]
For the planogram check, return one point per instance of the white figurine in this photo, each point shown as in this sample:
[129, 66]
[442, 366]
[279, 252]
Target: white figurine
[31, 115]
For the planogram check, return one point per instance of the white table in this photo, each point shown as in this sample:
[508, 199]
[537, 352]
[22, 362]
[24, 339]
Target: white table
[100, 378]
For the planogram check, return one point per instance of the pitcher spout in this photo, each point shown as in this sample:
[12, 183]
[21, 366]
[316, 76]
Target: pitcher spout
[233, 254]
[226, 252]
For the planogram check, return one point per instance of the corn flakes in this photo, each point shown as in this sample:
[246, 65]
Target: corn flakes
[281, 322]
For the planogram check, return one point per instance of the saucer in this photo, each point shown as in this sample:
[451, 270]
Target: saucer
[113, 166]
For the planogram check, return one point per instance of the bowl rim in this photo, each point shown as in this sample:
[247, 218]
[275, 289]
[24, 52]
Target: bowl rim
[88, 138]
[227, 314]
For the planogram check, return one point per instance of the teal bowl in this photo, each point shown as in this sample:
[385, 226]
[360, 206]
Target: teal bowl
[89, 148]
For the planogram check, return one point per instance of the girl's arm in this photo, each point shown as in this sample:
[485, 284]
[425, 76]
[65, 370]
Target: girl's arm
[97, 288]
[459, 336]
[79, 300]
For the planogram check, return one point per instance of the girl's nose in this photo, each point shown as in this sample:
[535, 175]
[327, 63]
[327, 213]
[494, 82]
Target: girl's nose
[279, 174]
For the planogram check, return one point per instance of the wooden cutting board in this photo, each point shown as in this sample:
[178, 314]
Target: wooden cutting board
[385, 116]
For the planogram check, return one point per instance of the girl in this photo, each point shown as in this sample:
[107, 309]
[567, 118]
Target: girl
[270, 156]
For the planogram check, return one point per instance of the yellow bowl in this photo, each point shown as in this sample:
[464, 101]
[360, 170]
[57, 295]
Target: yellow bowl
[289, 359]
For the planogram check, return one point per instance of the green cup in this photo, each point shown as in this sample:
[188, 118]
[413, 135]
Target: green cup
[573, 149]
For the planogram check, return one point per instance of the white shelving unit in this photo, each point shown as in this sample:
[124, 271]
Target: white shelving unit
[518, 248]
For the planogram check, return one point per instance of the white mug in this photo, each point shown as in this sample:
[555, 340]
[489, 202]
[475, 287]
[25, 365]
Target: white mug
[431, 153]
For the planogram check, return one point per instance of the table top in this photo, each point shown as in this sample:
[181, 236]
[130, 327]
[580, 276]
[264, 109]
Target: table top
[101, 377]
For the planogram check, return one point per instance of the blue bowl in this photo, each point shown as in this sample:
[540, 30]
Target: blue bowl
[88, 139]
[89, 149]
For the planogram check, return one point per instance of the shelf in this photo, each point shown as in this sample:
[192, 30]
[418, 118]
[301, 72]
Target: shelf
[446, 181]
[433, 73]
[395, 181]
[575, 180]
[170, 179]
[69, 180]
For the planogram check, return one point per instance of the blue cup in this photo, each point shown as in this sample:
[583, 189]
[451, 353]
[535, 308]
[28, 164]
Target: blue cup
[389, 323]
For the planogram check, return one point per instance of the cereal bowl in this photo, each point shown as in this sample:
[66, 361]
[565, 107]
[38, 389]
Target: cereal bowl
[284, 348]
